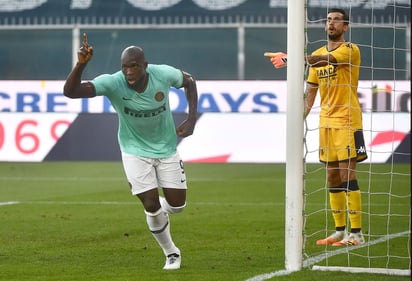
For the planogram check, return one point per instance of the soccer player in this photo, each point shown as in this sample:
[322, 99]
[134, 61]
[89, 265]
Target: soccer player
[334, 71]
[147, 136]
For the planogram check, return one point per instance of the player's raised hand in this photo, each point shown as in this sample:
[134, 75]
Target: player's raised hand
[279, 59]
[85, 52]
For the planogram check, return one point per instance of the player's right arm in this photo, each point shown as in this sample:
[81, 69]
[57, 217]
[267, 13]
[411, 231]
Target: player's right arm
[73, 87]
[310, 95]
[280, 59]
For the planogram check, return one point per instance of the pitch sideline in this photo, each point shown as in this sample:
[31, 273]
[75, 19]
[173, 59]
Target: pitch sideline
[9, 203]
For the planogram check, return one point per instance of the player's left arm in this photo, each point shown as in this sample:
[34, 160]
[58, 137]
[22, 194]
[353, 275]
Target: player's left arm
[320, 60]
[187, 127]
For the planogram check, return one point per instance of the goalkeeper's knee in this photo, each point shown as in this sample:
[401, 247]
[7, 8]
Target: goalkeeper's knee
[169, 208]
[351, 185]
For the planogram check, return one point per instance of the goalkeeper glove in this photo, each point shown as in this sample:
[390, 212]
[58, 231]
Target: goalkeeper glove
[280, 60]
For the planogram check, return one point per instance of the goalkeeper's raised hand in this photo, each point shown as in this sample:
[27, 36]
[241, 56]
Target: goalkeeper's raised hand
[279, 59]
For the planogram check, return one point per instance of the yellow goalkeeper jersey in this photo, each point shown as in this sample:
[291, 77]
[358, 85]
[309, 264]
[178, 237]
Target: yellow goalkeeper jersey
[338, 85]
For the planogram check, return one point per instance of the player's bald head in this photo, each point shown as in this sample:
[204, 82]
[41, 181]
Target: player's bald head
[133, 52]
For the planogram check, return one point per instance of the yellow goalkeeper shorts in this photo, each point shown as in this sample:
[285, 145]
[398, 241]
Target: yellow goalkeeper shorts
[341, 144]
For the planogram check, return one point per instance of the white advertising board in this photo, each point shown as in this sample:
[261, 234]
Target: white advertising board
[30, 136]
[261, 138]
[218, 137]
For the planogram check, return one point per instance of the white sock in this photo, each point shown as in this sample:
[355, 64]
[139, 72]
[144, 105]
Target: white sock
[158, 223]
[169, 209]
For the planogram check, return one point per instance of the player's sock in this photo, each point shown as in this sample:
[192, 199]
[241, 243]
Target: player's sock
[337, 199]
[168, 208]
[354, 205]
[158, 223]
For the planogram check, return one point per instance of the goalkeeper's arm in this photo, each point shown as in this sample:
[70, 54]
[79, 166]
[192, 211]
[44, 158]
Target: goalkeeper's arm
[310, 95]
[320, 60]
[279, 59]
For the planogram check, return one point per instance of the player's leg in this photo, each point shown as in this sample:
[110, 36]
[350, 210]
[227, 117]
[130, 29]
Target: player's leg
[177, 197]
[350, 183]
[150, 200]
[171, 176]
[159, 225]
[337, 195]
[141, 175]
[337, 199]
[174, 200]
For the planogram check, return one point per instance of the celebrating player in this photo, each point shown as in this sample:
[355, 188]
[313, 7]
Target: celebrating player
[147, 135]
[334, 71]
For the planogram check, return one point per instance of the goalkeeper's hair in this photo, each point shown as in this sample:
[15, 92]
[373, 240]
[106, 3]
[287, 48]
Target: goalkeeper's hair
[341, 11]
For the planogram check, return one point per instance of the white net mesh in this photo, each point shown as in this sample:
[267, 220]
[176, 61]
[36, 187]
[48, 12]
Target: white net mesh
[384, 178]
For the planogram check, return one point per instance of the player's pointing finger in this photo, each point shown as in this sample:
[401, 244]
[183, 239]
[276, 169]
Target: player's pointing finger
[85, 40]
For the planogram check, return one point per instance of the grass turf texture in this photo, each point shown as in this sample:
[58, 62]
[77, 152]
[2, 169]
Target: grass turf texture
[78, 221]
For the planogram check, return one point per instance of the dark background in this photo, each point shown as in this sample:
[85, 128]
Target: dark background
[36, 44]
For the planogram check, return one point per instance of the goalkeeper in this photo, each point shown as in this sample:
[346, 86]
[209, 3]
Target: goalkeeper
[334, 71]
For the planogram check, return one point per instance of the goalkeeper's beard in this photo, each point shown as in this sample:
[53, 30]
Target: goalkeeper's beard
[334, 37]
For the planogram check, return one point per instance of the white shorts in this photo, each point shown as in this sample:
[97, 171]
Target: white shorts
[145, 174]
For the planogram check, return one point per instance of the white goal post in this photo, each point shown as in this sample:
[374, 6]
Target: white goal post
[294, 137]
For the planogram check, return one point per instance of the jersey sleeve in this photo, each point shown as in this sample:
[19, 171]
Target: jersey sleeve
[348, 53]
[312, 77]
[103, 84]
[173, 75]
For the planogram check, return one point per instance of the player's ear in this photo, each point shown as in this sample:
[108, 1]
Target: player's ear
[345, 27]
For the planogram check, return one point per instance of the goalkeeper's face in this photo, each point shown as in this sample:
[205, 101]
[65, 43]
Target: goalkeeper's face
[336, 27]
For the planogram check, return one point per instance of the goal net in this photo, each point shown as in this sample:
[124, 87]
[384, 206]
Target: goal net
[383, 37]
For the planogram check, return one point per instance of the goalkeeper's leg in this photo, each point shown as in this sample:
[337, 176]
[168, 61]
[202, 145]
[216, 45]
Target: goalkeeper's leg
[350, 183]
[337, 198]
[354, 206]
[355, 215]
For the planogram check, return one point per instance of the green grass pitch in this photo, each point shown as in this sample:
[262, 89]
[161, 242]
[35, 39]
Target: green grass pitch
[78, 221]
